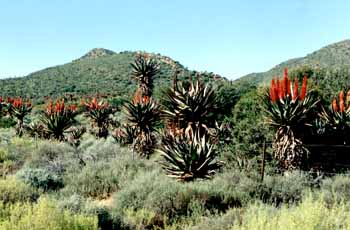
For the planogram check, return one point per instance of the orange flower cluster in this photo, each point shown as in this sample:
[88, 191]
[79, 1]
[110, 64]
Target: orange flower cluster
[281, 89]
[341, 107]
[138, 99]
[94, 104]
[59, 107]
[18, 102]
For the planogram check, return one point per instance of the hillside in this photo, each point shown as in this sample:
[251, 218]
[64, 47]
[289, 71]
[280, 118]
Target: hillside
[99, 71]
[332, 57]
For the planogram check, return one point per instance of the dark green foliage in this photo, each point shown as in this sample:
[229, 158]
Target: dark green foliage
[108, 75]
[332, 58]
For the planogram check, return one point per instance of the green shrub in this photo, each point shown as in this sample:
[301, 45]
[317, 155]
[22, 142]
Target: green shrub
[100, 179]
[53, 156]
[309, 214]
[43, 215]
[78, 204]
[41, 179]
[336, 188]
[218, 222]
[286, 188]
[168, 200]
[12, 191]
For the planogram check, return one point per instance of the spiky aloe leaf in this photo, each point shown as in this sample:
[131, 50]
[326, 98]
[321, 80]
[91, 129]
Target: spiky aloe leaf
[143, 71]
[189, 158]
[190, 107]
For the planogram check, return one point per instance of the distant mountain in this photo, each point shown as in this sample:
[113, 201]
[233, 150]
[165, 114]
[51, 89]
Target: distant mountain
[330, 57]
[99, 71]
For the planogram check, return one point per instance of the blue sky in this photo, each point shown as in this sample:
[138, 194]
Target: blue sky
[228, 37]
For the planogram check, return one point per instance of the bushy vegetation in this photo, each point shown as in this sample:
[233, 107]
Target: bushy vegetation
[198, 163]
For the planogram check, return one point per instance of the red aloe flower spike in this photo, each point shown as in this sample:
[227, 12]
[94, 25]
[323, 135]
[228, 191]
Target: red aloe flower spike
[341, 102]
[303, 88]
[295, 89]
[285, 82]
[285, 72]
[49, 107]
[348, 98]
[281, 92]
[83, 102]
[273, 97]
[1, 99]
[289, 89]
[278, 88]
[73, 108]
[335, 105]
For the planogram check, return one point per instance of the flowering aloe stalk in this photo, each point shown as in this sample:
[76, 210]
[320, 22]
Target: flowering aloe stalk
[19, 108]
[337, 118]
[288, 111]
[99, 112]
[58, 118]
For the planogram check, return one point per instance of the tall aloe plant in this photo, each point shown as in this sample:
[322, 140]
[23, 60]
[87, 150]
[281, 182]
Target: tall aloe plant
[142, 119]
[287, 111]
[188, 147]
[19, 108]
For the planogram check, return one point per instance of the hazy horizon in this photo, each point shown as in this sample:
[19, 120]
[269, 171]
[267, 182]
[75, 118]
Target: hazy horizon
[230, 38]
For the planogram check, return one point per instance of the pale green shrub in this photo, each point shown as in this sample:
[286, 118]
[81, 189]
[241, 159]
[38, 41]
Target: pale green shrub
[43, 215]
[309, 214]
[12, 191]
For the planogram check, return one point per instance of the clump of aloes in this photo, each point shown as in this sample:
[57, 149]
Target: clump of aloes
[288, 111]
[58, 118]
[337, 117]
[99, 112]
[18, 108]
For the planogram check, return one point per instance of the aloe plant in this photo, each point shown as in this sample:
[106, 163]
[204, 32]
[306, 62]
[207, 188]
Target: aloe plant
[287, 111]
[144, 70]
[142, 119]
[58, 118]
[189, 157]
[336, 118]
[18, 108]
[99, 112]
[189, 108]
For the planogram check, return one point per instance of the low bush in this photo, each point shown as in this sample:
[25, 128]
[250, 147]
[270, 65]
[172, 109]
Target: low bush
[42, 215]
[12, 191]
[336, 188]
[278, 189]
[166, 200]
[41, 178]
[100, 179]
[309, 214]
[53, 156]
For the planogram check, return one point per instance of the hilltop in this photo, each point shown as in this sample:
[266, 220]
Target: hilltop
[99, 71]
[332, 57]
